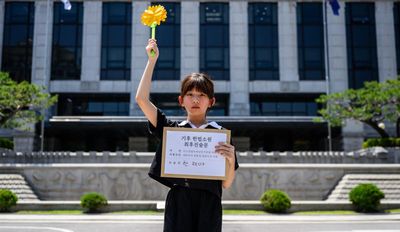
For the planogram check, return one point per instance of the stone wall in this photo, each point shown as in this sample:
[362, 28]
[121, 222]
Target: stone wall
[131, 182]
[123, 176]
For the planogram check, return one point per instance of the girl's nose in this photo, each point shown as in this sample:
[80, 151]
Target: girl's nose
[195, 99]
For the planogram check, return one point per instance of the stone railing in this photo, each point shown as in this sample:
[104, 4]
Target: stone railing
[76, 157]
[377, 155]
[123, 175]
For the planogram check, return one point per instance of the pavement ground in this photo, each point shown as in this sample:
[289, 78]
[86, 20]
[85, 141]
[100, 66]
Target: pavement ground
[231, 223]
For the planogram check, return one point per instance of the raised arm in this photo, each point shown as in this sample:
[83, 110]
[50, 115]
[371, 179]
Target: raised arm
[143, 91]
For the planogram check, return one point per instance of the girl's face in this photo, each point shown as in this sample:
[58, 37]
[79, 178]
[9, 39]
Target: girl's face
[195, 102]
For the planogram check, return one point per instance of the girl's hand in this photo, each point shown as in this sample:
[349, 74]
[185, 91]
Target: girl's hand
[152, 45]
[228, 151]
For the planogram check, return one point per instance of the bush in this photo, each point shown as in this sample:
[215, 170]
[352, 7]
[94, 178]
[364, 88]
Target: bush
[6, 143]
[275, 201]
[382, 142]
[92, 202]
[8, 199]
[366, 197]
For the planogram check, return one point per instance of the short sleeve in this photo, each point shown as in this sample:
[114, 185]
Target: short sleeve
[236, 161]
[162, 122]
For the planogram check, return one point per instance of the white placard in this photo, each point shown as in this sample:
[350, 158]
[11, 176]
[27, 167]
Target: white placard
[190, 153]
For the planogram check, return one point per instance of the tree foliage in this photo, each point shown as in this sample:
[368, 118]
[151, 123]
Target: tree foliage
[373, 104]
[21, 103]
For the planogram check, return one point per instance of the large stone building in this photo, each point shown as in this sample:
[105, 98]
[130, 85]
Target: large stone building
[267, 59]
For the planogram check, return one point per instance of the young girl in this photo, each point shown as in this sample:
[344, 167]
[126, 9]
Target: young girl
[191, 205]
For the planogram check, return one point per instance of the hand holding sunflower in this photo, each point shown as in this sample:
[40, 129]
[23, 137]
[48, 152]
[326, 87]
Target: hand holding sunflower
[152, 17]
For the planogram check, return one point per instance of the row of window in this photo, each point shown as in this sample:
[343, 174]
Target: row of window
[93, 105]
[288, 105]
[118, 105]
[214, 41]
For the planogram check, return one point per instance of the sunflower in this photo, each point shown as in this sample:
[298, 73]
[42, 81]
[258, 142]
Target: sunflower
[154, 14]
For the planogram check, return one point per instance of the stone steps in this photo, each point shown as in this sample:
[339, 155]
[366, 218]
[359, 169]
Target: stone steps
[388, 183]
[17, 184]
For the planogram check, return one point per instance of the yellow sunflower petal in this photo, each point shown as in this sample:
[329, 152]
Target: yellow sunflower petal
[154, 14]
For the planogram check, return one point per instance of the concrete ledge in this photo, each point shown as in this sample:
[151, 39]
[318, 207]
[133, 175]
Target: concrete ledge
[306, 205]
[75, 205]
[160, 205]
[232, 218]
[335, 205]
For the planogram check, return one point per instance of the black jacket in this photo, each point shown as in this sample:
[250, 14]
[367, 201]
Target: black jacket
[214, 186]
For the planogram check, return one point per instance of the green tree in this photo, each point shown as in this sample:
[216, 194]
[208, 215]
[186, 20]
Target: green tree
[21, 103]
[373, 104]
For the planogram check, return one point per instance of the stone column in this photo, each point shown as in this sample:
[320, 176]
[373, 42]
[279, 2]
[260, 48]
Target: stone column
[140, 35]
[41, 63]
[385, 40]
[352, 132]
[24, 141]
[353, 135]
[287, 33]
[42, 43]
[190, 39]
[2, 10]
[239, 59]
[337, 50]
[386, 44]
[91, 41]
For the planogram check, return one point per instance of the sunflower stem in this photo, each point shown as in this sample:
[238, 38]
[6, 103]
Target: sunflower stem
[153, 36]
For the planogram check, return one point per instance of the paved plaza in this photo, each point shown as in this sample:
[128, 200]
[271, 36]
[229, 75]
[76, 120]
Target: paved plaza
[231, 223]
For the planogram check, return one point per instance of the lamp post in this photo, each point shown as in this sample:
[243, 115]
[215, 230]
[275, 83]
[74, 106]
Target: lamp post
[327, 68]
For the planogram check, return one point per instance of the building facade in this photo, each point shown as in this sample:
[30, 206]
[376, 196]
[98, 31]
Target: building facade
[267, 59]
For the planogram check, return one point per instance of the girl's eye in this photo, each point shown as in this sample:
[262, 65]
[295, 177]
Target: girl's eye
[189, 94]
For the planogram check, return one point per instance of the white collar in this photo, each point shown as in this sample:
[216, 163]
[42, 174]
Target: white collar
[213, 124]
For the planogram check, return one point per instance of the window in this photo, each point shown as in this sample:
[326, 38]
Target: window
[18, 40]
[310, 41]
[283, 105]
[67, 42]
[93, 105]
[116, 41]
[263, 41]
[361, 44]
[169, 40]
[396, 12]
[214, 40]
